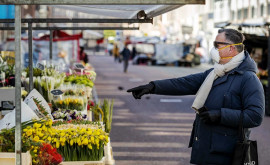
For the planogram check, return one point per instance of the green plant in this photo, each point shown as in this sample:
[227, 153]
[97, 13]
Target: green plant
[107, 109]
[36, 72]
[97, 112]
[79, 79]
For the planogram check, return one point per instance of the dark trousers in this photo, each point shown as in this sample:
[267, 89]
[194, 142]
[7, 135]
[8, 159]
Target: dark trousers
[125, 65]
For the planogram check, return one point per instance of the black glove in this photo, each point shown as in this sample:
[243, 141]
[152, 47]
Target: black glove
[139, 91]
[211, 117]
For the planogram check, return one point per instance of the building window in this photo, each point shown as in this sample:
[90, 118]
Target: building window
[245, 13]
[210, 15]
[252, 12]
[262, 9]
[239, 14]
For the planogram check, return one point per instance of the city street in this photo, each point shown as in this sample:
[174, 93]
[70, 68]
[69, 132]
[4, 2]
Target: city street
[154, 130]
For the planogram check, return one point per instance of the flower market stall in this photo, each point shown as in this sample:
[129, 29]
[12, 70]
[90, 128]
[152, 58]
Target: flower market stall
[57, 122]
[152, 8]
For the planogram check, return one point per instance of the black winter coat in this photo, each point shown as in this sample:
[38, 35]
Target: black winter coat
[239, 89]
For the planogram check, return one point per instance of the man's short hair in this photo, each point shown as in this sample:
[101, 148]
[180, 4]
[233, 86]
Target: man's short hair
[235, 37]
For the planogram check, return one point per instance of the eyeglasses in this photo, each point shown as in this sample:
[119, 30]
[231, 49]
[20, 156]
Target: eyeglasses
[216, 43]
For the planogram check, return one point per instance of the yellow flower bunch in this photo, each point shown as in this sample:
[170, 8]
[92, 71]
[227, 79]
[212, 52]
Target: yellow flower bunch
[70, 103]
[79, 143]
[35, 134]
[38, 132]
[79, 136]
[73, 142]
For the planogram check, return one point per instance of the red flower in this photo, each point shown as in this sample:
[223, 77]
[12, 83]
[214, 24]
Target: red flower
[49, 155]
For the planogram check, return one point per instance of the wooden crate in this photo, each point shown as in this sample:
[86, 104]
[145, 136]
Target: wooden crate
[9, 158]
[101, 162]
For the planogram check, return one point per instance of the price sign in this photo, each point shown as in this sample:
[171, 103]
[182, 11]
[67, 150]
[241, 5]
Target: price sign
[57, 92]
[79, 66]
[40, 66]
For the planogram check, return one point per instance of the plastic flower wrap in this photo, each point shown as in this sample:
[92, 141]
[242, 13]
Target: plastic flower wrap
[45, 81]
[71, 103]
[91, 75]
[68, 115]
[7, 71]
[73, 90]
[79, 79]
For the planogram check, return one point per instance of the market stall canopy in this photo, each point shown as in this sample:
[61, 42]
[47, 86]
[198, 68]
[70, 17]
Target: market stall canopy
[101, 2]
[122, 11]
[113, 8]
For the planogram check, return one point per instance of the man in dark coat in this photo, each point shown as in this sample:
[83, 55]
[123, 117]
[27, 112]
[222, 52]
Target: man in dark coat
[222, 94]
[126, 55]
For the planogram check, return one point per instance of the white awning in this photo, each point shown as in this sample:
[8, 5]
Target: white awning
[120, 11]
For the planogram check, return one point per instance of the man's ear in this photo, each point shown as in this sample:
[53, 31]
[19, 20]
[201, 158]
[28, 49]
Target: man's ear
[232, 48]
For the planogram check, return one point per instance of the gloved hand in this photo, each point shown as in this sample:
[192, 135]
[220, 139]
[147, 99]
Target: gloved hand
[139, 91]
[211, 117]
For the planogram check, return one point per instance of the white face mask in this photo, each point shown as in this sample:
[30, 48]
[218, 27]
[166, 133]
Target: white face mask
[215, 55]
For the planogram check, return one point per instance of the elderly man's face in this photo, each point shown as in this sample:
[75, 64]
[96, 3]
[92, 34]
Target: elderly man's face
[221, 42]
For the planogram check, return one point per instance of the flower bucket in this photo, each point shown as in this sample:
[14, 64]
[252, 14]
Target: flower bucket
[89, 115]
[101, 162]
[9, 158]
[108, 154]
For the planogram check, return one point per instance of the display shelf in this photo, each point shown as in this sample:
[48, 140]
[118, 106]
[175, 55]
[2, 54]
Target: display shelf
[8, 158]
[101, 162]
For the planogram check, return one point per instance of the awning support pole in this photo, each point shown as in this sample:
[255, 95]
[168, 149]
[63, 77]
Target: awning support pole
[30, 38]
[18, 133]
[51, 42]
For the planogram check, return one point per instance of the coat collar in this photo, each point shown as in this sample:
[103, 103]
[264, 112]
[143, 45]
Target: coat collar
[247, 65]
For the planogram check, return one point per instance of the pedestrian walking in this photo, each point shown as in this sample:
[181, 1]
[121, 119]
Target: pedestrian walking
[83, 56]
[126, 55]
[134, 52]
[223, 94]
[116, 53]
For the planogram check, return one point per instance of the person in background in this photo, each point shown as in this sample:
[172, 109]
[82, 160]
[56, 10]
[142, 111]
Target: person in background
[116, 53]
[83, 55]
[134, 52]
[223, 94]
[126, 55]
[36, 54]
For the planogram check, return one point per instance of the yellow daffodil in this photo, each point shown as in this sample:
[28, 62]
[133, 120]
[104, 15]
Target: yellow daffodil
[71, 142]
[85, 142]
[57, 144]
[29, 132]
[36, 125]
[89, 146]
[36, 138]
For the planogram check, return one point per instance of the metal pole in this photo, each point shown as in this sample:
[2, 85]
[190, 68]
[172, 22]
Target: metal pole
[18, 133]
[78, 20]
[74, 28]
[267, 93]
[30, 56]
[51, 42]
